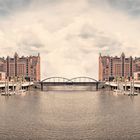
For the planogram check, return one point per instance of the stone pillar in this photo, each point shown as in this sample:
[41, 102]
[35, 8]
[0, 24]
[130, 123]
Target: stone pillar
[41, 86]
[97, 86]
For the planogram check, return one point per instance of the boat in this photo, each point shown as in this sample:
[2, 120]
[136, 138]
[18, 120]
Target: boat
[5, 94]
[7, 91]
[19, 89]
[132, 90]
[134, 94]
[120, 89]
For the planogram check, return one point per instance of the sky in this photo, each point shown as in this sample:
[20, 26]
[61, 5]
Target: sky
[69, 34]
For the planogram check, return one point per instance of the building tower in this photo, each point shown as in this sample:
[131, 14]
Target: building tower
[123, 64]
[16, 64]
[131, 66]
[8, 66]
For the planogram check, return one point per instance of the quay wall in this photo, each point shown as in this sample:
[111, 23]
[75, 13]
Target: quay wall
[113, 85]
[11, 85]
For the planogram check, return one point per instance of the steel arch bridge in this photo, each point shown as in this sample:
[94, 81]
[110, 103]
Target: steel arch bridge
[77, 81]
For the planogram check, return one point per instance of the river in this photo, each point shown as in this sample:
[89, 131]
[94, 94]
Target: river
[69, 115]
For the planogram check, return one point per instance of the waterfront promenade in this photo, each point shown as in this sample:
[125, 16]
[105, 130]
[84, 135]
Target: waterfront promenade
[11, 84]
[70, 115]
[113, 85]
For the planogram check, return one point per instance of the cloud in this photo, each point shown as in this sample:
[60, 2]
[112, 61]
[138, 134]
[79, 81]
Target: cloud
[129, 6]
[7, 7]
[69, 35]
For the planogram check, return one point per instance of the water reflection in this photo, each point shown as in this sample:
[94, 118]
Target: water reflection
[70, 115]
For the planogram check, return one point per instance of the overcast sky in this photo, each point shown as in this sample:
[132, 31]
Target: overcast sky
[69, 34]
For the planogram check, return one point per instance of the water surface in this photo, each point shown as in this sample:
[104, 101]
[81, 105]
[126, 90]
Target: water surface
[63, 115]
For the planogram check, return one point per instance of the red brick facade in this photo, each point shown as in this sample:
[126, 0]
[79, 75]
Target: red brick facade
[113, 67]
[27, 67]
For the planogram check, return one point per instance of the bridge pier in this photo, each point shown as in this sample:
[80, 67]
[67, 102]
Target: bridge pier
[78, 81]
[41, 86]
[97, 86]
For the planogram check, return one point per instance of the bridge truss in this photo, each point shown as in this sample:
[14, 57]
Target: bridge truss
[77, 81]
[72, 80]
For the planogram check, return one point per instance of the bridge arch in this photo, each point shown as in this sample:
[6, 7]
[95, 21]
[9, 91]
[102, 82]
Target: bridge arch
[56, 79]
[83, 79]
[59, 81]
[75, 79]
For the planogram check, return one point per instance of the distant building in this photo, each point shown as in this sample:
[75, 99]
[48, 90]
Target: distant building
[2, 64]
[137, 75]
[137, 64]
[115, 67]
[2, 76]
[27, 67]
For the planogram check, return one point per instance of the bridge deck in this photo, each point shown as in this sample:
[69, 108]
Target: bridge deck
[69, 83]
[62, 81]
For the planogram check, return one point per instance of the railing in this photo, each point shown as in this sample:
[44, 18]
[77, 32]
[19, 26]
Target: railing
[66, 80]
[77, 81]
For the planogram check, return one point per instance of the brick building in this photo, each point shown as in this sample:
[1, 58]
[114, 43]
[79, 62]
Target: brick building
[2, 76]
[115, 67]
[27, 67]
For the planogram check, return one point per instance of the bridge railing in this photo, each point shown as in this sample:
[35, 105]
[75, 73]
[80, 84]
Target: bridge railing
[63, 79]
[66, 81]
